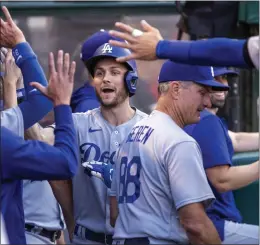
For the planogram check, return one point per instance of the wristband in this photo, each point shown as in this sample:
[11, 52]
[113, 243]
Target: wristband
[21, 52]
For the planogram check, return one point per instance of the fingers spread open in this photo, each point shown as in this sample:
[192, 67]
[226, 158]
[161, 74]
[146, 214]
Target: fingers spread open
[123, 35]
[38, 86]
[146, 27]
[126, 58]
[120, 44]
[60, 62]
[124, 27]
[52, 68]
[66, 63]
[9, 56]
[7, 15]
[2, 56]
[72, 71]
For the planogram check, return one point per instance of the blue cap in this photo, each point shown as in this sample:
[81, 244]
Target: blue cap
[93, 42]
[107, 50]
[219, 71]
[2, 74]
[203, 75]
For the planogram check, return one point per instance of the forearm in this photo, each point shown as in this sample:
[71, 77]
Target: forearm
[36, 106]
[214, 52]
[113, 210]
[61, 240]
[39, 157]
[10, 99]
[207, 235]
[241, 176]
[63, 193]
[246, 142]
[34, 133]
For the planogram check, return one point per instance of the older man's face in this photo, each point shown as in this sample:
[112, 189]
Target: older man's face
[192, 100]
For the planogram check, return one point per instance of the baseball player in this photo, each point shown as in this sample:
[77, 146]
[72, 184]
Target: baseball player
[43, 223]
[149, 45]
[84, 98]
[217, 149]
[35, 160]
[160, 184]
[100, 133]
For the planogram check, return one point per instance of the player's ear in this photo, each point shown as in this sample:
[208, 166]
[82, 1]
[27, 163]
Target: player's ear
[174, 89]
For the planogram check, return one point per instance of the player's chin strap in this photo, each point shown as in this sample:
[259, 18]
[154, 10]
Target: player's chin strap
[101, 170]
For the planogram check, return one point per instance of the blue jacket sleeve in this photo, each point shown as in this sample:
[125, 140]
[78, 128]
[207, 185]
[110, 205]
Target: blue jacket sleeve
[210, 135]
[36, 106]
[210, 52]
[36, 160]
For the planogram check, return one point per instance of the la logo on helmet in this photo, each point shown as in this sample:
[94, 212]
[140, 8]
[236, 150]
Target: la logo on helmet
[107, 48]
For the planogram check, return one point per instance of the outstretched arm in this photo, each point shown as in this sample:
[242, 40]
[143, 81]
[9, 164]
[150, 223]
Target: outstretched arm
[36, 160]
[148, 44]
[36, 106]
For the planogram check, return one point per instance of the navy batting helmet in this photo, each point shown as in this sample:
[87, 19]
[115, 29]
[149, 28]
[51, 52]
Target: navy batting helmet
[107, 50]
[91, 44]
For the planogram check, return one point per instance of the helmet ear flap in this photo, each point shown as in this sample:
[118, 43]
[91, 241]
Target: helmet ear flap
[131, 78]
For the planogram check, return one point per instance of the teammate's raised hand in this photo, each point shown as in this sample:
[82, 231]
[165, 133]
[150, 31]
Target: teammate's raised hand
[141, 43]
[10, 34]
[12, 73]
[61, 81]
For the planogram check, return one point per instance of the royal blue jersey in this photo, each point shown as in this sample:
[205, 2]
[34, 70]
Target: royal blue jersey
[217, 149]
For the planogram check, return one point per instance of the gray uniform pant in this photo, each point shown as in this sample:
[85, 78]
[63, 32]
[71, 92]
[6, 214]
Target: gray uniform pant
[236, 233]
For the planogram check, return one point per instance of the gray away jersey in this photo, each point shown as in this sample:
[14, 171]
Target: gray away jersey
[158, 170]
[13, 120]
[40, 206]
[99, 141]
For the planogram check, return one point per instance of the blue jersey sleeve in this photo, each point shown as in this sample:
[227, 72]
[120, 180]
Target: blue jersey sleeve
[36, 106]
[210, 52]
[209, 133]
[36, 160]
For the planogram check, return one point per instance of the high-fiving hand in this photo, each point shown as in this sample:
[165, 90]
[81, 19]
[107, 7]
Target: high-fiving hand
[61, 81]
[11, 72]
[142, 43]
[10, 34]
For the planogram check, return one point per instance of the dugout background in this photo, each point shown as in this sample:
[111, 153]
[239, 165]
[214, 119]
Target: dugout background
[53, 25]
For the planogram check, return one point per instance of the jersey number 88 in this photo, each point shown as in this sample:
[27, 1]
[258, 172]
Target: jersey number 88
[129, 175]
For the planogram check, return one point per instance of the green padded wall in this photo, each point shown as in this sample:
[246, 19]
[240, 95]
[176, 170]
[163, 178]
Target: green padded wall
[247, 198]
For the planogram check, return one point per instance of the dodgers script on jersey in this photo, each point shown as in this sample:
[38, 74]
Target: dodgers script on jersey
[99, 141]
[13, 120]
[158, 170]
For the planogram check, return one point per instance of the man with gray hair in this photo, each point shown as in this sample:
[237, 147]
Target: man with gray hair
[159, 181]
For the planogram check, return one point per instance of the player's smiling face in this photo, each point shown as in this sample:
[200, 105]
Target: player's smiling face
[109, 82]
[218, 98]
